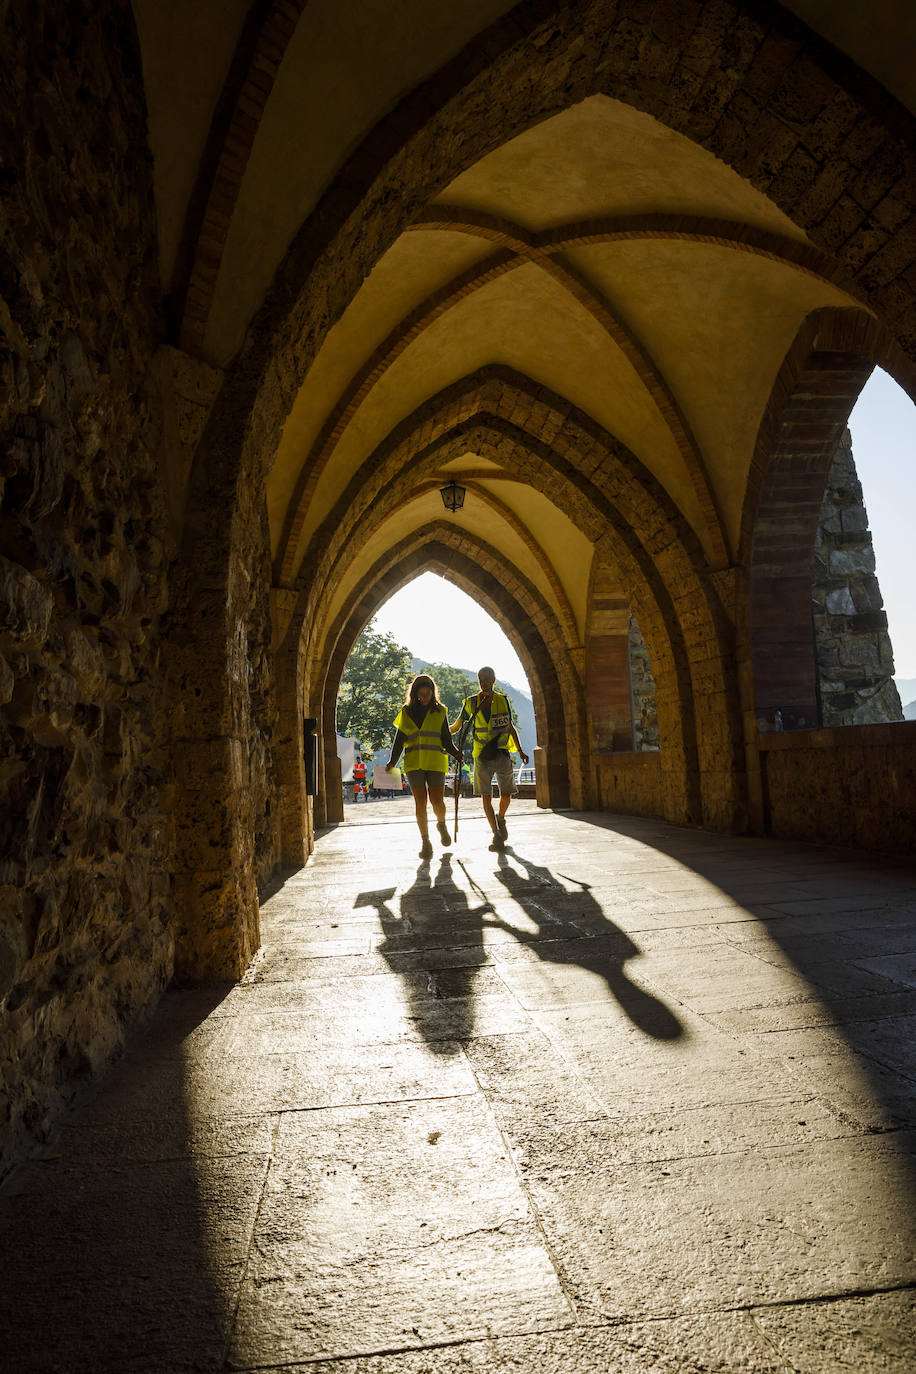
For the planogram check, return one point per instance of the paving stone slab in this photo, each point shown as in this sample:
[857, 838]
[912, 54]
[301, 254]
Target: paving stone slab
[861, 1335]
[220, 1087]
[392, 1226]
[900, 968]
[356, 993]
[524, 1077]
[430, 1019]
[788, 1223]
[631, 1069]
[815, 1010]
[286, 963]
[159, 1138]
[675, 1135]
[125, 1267]
[715, 1344]
[719, 977]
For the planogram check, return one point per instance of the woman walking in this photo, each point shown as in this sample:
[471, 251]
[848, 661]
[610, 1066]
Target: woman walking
[423, 735]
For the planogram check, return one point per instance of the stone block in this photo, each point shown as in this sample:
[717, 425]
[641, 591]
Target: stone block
[26, 605]
[840, 602]
[848, 561]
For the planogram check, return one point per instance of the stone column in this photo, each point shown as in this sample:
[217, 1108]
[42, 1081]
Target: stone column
[855, 659]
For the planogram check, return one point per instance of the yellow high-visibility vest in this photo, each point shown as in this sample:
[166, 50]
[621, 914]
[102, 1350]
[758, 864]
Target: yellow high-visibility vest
[496, 728]
[423, 743]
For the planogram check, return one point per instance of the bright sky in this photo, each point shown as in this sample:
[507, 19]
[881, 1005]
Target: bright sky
[883, 426]
[443, 625]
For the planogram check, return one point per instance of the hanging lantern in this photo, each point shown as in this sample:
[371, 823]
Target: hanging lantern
[452, 496]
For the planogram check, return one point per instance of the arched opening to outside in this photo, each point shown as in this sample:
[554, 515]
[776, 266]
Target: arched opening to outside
[883, 430]
[430, 626]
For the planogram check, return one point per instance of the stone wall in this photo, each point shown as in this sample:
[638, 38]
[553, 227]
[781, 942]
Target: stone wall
[631, 782]
[849, 786]
[855, 660]
[642, 691]
[85, 941]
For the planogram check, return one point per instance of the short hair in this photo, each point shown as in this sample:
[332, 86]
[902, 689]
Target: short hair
[486, 673]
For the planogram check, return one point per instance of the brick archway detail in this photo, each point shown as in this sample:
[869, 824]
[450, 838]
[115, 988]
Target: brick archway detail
[829, 362]
[756, 88]
[517, 607]
[619, 506]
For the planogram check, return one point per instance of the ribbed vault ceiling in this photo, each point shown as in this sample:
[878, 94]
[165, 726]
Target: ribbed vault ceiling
[599, 254]
[604, 257]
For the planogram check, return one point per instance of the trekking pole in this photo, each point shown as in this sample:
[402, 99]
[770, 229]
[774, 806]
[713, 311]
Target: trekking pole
[459, 764]
[459, 769]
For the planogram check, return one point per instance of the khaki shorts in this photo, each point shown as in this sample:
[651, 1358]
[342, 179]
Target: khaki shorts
[501, 769]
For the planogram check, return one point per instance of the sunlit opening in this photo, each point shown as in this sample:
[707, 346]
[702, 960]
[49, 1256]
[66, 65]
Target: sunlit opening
[883, 428]
[429, 626]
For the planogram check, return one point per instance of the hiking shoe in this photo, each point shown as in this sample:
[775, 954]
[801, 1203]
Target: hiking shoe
[501, 827]
[497, 842]
[426, 849]
[444, 836]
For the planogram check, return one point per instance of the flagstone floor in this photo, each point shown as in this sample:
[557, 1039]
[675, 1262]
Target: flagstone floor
[625, 1097]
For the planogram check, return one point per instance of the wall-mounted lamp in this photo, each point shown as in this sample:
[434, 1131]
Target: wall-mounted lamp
[452, 496]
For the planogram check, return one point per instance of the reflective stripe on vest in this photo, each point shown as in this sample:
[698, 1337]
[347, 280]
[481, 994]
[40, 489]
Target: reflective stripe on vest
[496, 728]
[423, 744]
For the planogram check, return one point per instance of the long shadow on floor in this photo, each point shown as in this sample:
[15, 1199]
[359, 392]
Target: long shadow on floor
[544, 898]
[844, 921]
[434, 915]
[436, 928]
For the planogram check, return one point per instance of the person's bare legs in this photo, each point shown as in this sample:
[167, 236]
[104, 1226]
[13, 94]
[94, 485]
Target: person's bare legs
[419, 801]
[437, 799]
[504, 800]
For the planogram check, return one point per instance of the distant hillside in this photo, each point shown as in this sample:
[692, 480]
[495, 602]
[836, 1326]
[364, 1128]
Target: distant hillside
[521, 700]
[906, 686]
[909, 711]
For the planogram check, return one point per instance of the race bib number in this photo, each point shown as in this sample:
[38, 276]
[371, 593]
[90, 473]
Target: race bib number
[500, 722]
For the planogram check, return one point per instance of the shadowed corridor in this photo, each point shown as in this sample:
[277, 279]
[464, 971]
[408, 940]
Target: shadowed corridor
[623, 1097]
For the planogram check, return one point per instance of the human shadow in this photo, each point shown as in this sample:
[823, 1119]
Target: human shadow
[842, 920]
[597, 944]
[434, 942]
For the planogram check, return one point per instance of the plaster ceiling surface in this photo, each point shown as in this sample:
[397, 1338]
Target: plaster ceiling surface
[349, 62]
[604, 158]
[422, 510]
[527, 322]
[713, 323]
[412, 269]
[718, 324]
[186, 50]
[567, 549]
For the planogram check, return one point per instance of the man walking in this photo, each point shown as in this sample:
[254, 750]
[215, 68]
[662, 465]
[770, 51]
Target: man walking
[493, 735]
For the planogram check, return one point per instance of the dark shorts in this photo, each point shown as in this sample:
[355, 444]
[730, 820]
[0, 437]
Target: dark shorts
[425, 777]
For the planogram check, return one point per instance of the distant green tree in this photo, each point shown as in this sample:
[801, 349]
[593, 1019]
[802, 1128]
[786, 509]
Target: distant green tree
[454, 684]
[375, 682]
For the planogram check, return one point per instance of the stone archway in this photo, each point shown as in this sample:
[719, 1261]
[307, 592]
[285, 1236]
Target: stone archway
[557, 58]
[513, 602]
[633, 524]
[823, 373]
